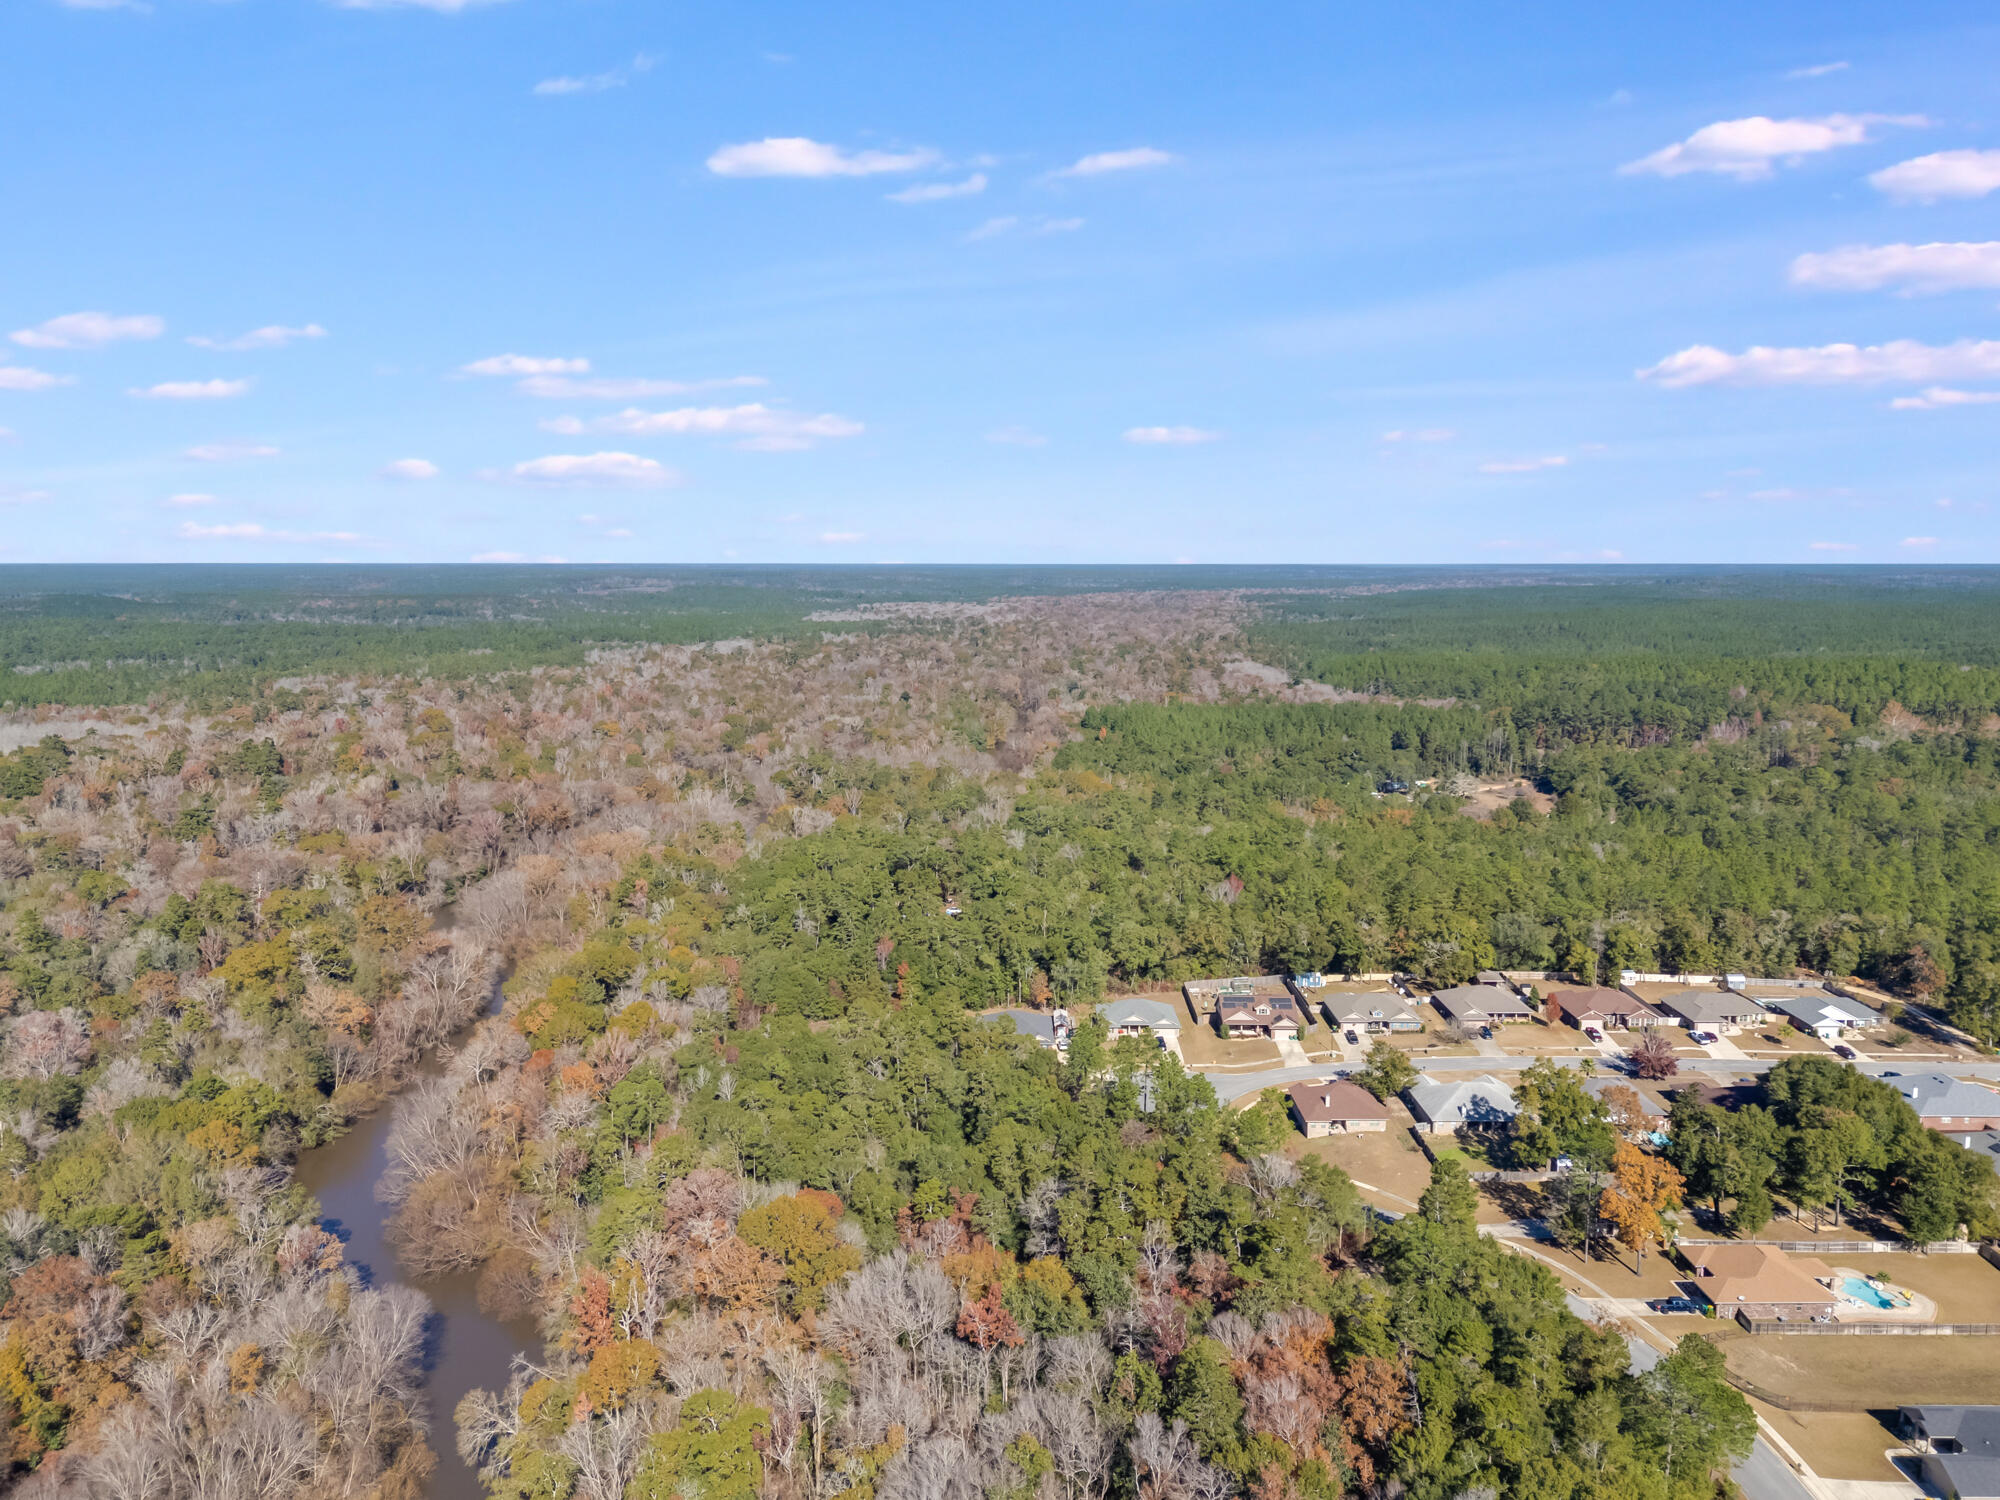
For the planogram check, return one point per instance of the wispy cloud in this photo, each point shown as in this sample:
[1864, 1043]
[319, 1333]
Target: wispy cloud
[1830, 364]
[408, 468]
[1419, 435]
[761, 427]
[1942, 174]
[189, 500]
[228, 453]
[622, 388]
[271, 336]
[1747, 149]
[1524, 465]
[1832, 547]
[1937, 267]
[798, 156]
[1918, 543]
[1939, 396]
[1015, 224]
[443, 7]
[21, 378]
[1131, 159]
[1817, 70]
[190, 390]
[933, 192]
[583, 470]
[525, 364]
[595, 83]
[252, 531]
[89, 330]
[1170, 436]
[1016, 437]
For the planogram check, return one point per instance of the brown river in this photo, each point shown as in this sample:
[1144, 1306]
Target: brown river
[467, 1348]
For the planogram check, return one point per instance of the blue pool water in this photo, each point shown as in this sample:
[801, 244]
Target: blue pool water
[1866, 1292]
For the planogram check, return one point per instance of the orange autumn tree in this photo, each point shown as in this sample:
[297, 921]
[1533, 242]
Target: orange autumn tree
[1642, 1187]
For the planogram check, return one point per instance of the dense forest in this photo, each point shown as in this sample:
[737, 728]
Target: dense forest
[793, 1218]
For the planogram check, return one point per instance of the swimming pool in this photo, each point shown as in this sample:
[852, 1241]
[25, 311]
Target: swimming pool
[1866, 1293]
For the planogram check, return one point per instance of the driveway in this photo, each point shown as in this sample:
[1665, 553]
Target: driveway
[1292, 1053]
[1727, 1051]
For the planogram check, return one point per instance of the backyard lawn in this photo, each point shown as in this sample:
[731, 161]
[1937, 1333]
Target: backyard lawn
[1865, 1371]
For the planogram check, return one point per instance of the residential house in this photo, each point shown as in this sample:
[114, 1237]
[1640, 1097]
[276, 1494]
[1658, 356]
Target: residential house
[1333, 1106]
[1948, 1104]
[1441, 1106]
[1650, 1107]
[1606, 1009]
[1826, 1015]
[1154, 1018]
[1252, 1015]
[1759, 1281]
[1707, 1008]
[1050, 1028]
[1374, 1011]
[1958, 1449]
[1482, 1005]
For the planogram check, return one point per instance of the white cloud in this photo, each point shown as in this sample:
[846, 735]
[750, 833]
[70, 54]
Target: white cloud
[760, 426]
[270, 336]
[11, 496]
[1829, 364]
[1942, 174]
[932, 192]
[1171, 436]
[443, 7]
[623, 388]
[525, 364]
[21, 378]
[408, 468]
[1915, 542]
[228, 453]
[1008, 223]
[595, 83]
[1099, 162]
[1934, 397]
[188, 501]
[796, 156]
[1016, 437]
[1832, 547]
[1524, 465]
[1817, 70]
[251, 531]
[190, 390]
[841, 538]
[1746, 149]
[1936, 267]
[89, 330]
[1419, 435]
[612, 470]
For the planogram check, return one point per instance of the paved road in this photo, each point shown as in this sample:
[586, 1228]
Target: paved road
[1236, 1085]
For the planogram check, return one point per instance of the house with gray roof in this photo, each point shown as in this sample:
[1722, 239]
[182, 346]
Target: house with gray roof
[1948, 1104]
[1650, 1107]
[1716, 1009]
[1442, 1106]
[1958, 1449]
[1154, 1018]
[1826, 1015]
[1482, 1005]
[1048, 1028]
[1372, 1010]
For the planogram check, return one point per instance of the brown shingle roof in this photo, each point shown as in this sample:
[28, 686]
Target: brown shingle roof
[1335, 1099]
[1760, 1275]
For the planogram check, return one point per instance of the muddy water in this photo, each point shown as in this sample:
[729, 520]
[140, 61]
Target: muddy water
[467, 1348]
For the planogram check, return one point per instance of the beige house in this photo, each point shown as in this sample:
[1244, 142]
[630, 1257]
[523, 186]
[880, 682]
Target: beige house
[1333, 1106]
[1759, 1281]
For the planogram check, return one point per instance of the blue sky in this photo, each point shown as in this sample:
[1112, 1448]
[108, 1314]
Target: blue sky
[630, 280]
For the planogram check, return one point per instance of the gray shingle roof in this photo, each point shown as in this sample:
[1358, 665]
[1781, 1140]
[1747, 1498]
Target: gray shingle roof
[1484, 1100]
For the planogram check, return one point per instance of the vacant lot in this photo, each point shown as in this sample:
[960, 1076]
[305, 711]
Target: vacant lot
[1839, 1445]
[1388, 1167]
[1868, 1371]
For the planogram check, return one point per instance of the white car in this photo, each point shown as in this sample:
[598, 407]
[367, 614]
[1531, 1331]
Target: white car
[1703, 1038]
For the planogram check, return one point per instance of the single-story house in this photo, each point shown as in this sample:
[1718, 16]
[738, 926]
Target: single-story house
[1650, 1107]
[1724, 1012]
[1271, 1016]
[1482, 1005]
[1948, 1104]
[1333, 1106]
[1759, 1281]
[1372, 1010]
[1606, 1009]
[1441, 1105]
[1154, 1018]
[1984, 1144]
[1049, 1028]
[1826, 1015]
[1958, 1447]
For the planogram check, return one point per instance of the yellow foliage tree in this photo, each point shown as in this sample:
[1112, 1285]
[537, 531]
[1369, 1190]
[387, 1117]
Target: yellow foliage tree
[1643, 1186]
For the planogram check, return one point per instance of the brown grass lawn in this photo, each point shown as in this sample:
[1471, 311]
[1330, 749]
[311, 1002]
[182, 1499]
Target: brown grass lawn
[1869, 1371]
[1395, 1170]
[1839, 1445]
[1200, 1044]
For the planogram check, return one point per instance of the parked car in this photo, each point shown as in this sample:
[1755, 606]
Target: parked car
[1841, 1049]
[1593, 1033]
[1674, 1305]
[1703, 1038]
[1351, 1037]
